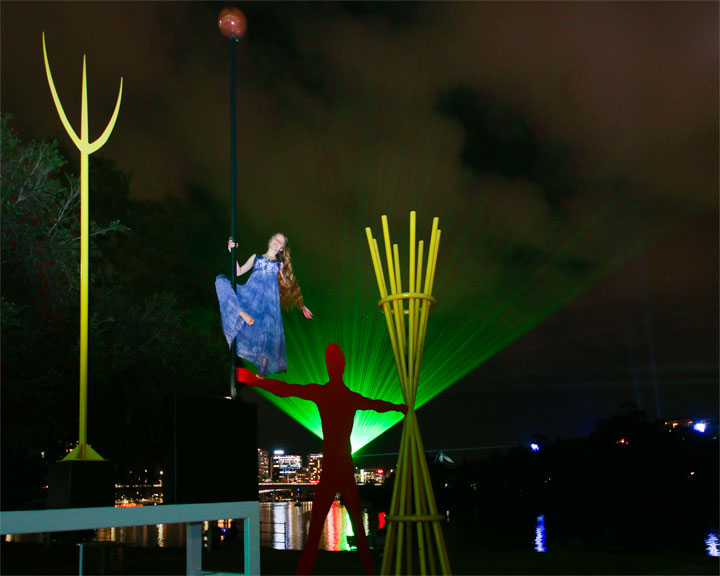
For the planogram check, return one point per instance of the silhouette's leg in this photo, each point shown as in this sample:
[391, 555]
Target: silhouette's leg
[261, 372]
[351, 497]
[323, 499]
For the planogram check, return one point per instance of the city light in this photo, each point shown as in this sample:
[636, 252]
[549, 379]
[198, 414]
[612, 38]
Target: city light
[700, 427]
[305, 469]
[535, 447]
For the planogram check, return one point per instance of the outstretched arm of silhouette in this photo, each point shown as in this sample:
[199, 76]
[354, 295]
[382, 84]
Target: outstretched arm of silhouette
[277, 387]
[363, 403]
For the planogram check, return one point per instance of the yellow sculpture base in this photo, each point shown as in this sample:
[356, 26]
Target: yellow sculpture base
[415, 542]
[414, 535]
[82, 452]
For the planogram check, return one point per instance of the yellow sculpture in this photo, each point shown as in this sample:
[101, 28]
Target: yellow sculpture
[414, 520]
[83, 451]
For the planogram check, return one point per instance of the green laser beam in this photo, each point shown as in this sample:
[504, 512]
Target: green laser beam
[490, 292]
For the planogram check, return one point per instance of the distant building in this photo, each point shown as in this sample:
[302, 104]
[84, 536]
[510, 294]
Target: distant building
[285, 466]
[306, 469]
[369, 475]
[314, 467]
[302, 476]
[264, 473]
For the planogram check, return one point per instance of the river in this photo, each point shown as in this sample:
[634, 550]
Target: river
[283, 526]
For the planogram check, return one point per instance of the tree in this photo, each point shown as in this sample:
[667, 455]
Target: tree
[40, 289]
[141, 345]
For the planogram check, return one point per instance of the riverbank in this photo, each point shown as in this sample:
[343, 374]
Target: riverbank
[20, 559]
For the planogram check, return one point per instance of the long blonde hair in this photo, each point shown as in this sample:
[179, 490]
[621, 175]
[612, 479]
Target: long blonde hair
[290, 294]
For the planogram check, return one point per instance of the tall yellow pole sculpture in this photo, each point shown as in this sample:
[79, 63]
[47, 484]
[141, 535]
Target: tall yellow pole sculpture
[414, 525]
[83, 451]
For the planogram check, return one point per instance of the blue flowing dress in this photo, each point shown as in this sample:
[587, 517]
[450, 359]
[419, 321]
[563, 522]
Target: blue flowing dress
[259, 297]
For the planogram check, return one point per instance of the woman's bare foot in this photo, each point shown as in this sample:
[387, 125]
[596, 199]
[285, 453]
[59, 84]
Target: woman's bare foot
[249, 320]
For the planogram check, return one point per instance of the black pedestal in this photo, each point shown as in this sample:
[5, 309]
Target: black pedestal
[81, 484]
[211, 450]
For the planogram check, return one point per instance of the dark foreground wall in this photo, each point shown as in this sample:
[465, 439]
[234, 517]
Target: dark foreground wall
[210, 450]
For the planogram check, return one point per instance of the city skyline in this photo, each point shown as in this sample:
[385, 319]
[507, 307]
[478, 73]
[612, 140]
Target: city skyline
[277, 467]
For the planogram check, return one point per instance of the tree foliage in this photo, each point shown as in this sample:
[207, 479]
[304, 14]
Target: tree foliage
[632, 485]
[141, 346]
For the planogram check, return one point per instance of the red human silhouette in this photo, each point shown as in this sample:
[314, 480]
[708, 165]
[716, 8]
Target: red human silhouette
[337, 405]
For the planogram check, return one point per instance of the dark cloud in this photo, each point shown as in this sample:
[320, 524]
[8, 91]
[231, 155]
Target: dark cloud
[561, 145]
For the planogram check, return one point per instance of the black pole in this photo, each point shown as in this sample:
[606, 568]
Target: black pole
[233, 191]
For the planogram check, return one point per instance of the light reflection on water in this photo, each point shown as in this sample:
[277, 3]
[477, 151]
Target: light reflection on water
[712, 543]
[540, 534]
[160, 535]
[284, 526]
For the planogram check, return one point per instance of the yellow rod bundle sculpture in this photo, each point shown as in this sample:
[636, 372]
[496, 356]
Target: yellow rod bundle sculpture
[414, 531]
[83, 451]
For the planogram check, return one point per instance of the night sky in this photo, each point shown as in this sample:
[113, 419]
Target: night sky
[569, 149]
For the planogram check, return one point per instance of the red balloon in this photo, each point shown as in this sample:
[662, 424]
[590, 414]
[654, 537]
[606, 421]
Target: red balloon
[232, 23]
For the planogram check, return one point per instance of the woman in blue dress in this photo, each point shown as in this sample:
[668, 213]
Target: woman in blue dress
[251, 315]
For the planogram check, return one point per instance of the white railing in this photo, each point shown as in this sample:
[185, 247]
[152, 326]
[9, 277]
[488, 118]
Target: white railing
[63, 520]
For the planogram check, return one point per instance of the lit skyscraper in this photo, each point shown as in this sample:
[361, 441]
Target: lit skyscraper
[315, 462]
[263, 465]
[285, 466]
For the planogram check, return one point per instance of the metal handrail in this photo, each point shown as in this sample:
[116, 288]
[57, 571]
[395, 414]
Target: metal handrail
[67, 519]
